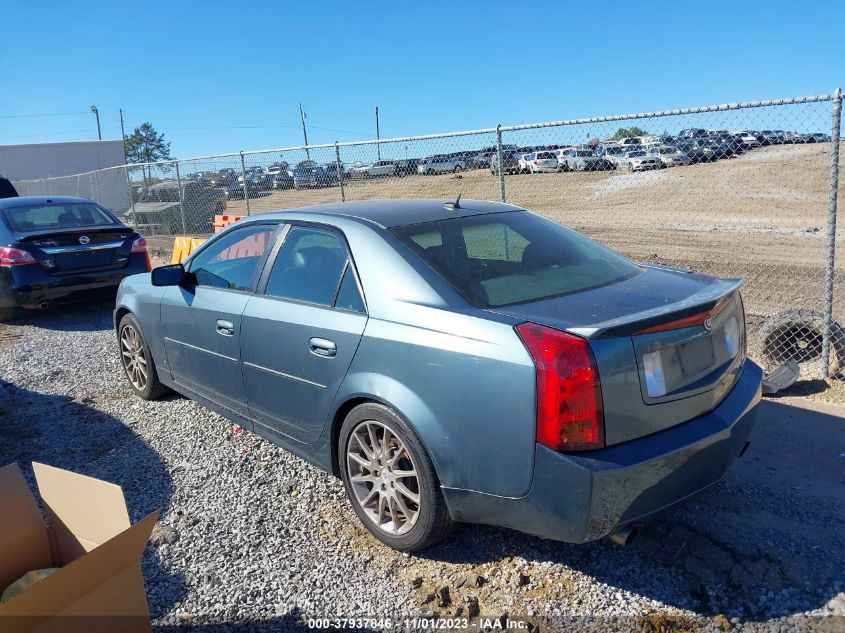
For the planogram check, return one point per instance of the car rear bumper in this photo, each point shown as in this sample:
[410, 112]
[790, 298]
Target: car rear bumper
[579, 498]
[30, 287]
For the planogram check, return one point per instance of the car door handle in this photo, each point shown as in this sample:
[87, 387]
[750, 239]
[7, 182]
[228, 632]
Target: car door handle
[225, 328]
[323, 347]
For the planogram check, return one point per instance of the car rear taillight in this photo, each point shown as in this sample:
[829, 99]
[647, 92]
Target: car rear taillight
[140, 246]
[569, 401]
[15, 257]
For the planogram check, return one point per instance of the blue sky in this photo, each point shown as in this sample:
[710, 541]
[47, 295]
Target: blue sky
[215, 77]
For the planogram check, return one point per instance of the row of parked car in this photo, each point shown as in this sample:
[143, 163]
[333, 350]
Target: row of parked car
[692, 145]
[306, 174]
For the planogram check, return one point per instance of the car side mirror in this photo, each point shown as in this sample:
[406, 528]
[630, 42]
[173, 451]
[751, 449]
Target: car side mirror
[172, 275]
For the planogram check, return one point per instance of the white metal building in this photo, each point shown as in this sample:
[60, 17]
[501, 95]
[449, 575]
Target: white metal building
[68, 169]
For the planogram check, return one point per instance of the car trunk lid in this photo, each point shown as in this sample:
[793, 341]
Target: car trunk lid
[80, 250]
[668, 344]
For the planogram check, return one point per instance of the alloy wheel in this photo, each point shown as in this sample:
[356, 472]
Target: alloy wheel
[383, 477]
[134, 358]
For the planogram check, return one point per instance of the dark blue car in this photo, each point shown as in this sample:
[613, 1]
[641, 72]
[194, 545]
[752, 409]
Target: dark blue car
[62, 248]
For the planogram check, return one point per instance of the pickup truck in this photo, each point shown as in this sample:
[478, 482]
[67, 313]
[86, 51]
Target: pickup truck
[158, 209]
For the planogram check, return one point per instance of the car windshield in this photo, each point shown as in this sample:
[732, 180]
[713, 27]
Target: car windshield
[508, 258]
[635, 154]
[41, 217]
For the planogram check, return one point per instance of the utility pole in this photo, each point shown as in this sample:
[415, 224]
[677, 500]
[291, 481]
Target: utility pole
[378, 136]
[122, 134]
[97, 114]
[302, 116]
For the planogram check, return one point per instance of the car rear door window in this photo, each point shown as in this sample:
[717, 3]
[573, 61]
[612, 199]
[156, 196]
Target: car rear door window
[348, 295]
[233, 261]
[309, 267]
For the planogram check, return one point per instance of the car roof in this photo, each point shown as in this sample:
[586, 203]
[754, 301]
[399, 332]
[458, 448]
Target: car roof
[24, 201]
[392, 213]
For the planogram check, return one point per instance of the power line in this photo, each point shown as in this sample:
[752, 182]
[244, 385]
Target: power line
[259, 127]
[26, 116]
[42, 134]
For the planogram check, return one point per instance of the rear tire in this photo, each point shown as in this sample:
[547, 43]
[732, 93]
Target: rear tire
[137, 362]
[405, 511]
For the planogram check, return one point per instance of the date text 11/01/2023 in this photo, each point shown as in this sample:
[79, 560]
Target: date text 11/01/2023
[419, 623]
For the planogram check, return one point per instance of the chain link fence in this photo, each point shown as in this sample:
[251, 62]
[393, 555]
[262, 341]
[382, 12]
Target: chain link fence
[736, 190]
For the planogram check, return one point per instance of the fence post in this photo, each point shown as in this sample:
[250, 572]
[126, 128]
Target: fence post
[97, 181]
[339, 171]
[46, 187]
[836, 116]
[181, 206]
[77, 186]
[499, 162]
[128, 188]
[246, 190]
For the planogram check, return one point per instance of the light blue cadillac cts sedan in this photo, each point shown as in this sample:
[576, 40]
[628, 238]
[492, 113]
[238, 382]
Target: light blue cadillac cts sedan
[452, 362]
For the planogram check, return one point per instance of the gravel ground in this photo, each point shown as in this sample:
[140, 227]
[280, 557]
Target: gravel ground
[258, 539]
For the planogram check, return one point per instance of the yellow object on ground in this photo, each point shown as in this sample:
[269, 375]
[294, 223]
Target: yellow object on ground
[25, 582]
[184, 246]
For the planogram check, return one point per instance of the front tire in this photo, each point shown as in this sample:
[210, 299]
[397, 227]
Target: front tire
[390, 479]
[138, 365]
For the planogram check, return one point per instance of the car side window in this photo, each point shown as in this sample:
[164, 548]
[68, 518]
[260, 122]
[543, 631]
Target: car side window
[233, 261]
[309, 268]
[348, 295]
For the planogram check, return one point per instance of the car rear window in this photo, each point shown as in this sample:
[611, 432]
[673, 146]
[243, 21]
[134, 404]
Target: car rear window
[508, 258]
[44, 217]
[545, 155]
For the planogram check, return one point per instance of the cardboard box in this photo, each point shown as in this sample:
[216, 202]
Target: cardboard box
[88, 534]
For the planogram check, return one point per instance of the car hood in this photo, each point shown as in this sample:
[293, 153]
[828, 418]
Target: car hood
[653, 292]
